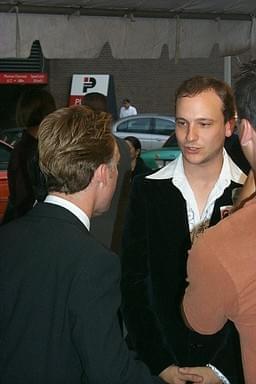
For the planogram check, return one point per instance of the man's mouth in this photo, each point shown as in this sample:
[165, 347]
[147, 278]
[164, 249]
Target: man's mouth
[191, 148]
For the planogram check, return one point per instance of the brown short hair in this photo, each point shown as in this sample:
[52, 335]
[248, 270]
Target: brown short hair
[199, 84]
[72, 143]
[97, 101]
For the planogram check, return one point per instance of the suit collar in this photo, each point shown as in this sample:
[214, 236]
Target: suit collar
[52, 211]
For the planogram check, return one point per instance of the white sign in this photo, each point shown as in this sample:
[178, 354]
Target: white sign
[88, 83]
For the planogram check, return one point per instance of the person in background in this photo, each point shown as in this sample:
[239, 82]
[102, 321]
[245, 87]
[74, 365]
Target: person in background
[168, 210]
[127, 109]
[221, 265]
[137, 164]
[25, 180]
[97, 101]
[60, 288]
[108, 227]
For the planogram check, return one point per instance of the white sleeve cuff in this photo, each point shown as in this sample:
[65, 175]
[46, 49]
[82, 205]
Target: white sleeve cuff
[220, 376]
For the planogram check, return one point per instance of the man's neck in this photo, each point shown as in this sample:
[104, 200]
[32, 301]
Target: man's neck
[202, 179]
[205, 172]
[79, 199]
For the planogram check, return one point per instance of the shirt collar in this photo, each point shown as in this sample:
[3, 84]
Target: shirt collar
[81, 215]
[230, 171]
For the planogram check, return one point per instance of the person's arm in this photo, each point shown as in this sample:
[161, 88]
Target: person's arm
[205, 308]
[205, 297]
[144, 328]
[210, 373]
[95, 330]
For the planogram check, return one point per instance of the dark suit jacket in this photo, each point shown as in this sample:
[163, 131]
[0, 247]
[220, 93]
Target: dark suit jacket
[59, 297]
[156, 241]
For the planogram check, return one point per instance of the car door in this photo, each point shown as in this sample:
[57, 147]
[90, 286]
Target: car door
[139, 127]
[162, 129]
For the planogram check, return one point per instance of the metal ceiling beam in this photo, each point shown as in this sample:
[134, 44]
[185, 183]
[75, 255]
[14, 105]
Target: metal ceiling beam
[152, 13]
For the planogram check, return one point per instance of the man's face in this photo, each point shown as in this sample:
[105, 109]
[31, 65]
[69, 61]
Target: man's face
[134, 153]
[200, 127]
[126, 104]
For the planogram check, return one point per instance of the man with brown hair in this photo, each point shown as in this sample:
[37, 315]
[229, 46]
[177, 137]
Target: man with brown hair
[168, 209]
[59, 287]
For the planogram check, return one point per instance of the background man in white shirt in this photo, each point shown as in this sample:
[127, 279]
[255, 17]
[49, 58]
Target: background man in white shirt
[168, 209]
[127, 109]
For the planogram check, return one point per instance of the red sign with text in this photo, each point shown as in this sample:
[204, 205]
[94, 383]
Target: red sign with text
[23, 78]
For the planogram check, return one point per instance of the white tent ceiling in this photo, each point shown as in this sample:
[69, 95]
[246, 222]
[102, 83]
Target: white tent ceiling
[133, 28]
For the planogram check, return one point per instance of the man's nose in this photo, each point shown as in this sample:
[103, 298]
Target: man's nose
[191, 132]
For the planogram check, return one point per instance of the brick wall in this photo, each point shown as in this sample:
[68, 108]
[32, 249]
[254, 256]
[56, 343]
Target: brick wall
[149, 84]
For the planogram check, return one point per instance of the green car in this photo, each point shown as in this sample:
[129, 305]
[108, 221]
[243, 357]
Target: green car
[157, 158]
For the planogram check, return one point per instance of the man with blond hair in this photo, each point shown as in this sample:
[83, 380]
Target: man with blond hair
[59, 287]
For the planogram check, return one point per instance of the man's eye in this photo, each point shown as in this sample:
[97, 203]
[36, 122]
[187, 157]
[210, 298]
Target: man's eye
[205, 124]
[181, 123]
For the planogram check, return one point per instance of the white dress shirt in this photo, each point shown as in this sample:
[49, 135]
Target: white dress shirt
[81, 215]
[124, 112]
[175, 170]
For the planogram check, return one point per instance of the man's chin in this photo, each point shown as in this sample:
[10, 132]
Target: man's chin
[193, 160]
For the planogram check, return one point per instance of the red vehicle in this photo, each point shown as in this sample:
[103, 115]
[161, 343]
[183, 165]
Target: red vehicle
[5, 151]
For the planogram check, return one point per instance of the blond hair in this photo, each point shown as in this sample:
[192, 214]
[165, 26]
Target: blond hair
[72, 143]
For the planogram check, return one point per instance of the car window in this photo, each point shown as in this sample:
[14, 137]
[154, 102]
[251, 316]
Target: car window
[122, 127]
[163, 126]
[135, 126]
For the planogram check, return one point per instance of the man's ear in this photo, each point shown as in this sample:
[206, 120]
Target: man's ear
[100, 175]
[137, 153]
[229, 127]
[246, 132]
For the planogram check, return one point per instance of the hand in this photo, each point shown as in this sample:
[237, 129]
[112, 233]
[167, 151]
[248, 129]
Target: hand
[172, 375]
[206, 373]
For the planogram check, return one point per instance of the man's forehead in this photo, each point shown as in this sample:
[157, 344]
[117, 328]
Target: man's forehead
[210, 101]
[204, 94]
